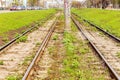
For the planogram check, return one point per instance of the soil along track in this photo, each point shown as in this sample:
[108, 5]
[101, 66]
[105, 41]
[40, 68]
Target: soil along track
[107, 46]
[14, 57]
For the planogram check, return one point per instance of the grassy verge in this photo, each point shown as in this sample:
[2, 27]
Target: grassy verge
[106, 19]
[12, 24]
[16, 20]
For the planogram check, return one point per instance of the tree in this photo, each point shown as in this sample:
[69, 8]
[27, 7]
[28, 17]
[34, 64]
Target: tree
[98, 3]
[119, 3]
[33, 2]
[76, 4]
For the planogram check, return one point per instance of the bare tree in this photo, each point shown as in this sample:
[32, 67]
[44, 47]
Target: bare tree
[76, 4]
[98, 3]
[103, 3]
[116, 3]
[33, 2]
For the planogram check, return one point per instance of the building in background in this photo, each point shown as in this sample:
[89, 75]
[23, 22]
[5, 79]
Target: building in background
[54, 3]
[0, 3]
[25, 3]
[3, 3]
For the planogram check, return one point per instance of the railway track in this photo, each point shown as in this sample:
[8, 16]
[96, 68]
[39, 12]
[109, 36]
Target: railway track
[39, 53]
[108, 58]
[24, 33]
[96, 26]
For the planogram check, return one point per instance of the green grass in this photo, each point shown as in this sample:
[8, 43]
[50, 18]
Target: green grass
[5, 39]
[22, 39]
[1, 62]
[68, 41]
[27, 60]
[55, 37]
[38, 43]
[76, 64]
[14, 77]
[118, 54]
[107, 19]
[16, 20]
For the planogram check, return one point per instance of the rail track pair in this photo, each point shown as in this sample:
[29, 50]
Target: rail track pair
[114, 73]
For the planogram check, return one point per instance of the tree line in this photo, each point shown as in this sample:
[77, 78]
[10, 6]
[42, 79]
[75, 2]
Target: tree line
[29, 2]
[103, 3]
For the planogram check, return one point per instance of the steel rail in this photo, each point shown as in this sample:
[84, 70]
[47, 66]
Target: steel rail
[113, 72]
[96, 26]
[16, 38]
[39, 52]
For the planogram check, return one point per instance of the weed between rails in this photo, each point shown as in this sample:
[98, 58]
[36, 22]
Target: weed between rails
[78, 58]
[118, 54]
[56, 51]
[27, 60]
[55, 37]
[22, 39]
[71, 62]
[1, 62]
[14, 77]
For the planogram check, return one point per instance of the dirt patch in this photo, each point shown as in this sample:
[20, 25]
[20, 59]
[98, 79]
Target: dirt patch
[10, 35]
[1, 42]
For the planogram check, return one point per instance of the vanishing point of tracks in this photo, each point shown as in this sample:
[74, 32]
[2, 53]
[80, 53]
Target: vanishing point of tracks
[113, 70]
